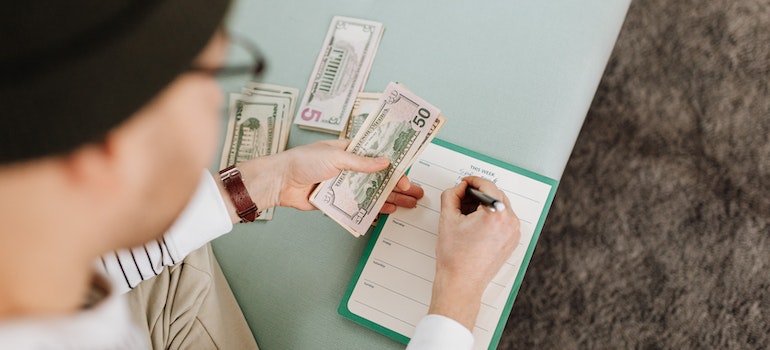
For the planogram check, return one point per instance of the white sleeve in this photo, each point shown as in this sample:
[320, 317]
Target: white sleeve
[440, 332]
[204, 219]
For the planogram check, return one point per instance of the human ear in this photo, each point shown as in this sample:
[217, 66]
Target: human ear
[91, 168]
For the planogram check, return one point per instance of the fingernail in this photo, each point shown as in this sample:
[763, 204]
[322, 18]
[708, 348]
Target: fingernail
[382, 160]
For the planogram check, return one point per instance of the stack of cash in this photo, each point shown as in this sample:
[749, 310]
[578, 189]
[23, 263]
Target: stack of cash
[399, 127]
[339, 74]
[259, 123]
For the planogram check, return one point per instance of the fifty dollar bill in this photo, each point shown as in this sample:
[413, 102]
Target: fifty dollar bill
[398, 128]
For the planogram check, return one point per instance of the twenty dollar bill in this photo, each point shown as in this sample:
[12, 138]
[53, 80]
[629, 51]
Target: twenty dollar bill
[258, 125]
[365, 103]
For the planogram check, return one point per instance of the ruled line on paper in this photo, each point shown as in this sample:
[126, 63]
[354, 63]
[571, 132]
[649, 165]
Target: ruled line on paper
[383, 312]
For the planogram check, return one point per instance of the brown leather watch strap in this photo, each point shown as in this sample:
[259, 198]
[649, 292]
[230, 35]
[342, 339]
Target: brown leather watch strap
[233, 182]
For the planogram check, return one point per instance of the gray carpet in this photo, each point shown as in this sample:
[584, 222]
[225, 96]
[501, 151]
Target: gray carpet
[659, 237]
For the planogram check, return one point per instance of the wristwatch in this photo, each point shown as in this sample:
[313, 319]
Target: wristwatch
[244, 206]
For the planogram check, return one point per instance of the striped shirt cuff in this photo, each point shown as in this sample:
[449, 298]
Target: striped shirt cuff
[204, 219]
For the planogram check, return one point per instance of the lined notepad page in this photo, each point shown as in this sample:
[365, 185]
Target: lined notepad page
[394, 288]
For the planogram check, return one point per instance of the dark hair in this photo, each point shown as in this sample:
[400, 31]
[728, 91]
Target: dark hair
[70, 71]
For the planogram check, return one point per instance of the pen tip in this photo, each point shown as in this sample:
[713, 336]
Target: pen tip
[499, 206]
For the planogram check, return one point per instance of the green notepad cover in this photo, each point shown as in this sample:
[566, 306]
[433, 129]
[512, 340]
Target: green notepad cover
[343, 307]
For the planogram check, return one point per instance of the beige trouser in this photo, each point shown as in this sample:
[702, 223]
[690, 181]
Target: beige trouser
[190, 306]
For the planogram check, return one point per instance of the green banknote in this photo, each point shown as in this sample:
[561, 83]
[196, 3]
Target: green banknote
[259, 122]
[365, 103]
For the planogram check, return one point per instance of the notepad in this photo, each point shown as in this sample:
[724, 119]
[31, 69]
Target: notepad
[391, 289]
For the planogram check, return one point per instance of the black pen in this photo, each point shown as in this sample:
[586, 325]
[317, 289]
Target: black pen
[486, 200]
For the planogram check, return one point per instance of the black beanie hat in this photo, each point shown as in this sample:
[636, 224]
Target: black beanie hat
[72, 70]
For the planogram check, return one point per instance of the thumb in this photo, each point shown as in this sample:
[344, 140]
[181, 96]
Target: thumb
[354, 162]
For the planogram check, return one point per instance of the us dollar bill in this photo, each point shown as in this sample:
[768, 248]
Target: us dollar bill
[398, 128]
[340, 72]
[258, 125]
[364, 105]
[289, 97]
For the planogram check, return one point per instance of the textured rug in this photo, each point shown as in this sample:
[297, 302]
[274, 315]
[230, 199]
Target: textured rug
[659, 236]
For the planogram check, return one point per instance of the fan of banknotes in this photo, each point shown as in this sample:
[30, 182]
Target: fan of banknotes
[399, 127]
[395, 123]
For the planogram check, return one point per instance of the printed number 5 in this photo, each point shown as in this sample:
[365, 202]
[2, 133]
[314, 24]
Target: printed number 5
[419, 119]
[313, 114]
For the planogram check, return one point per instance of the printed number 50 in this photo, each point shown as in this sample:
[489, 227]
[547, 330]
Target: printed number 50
[419, 119]
[313, 114]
